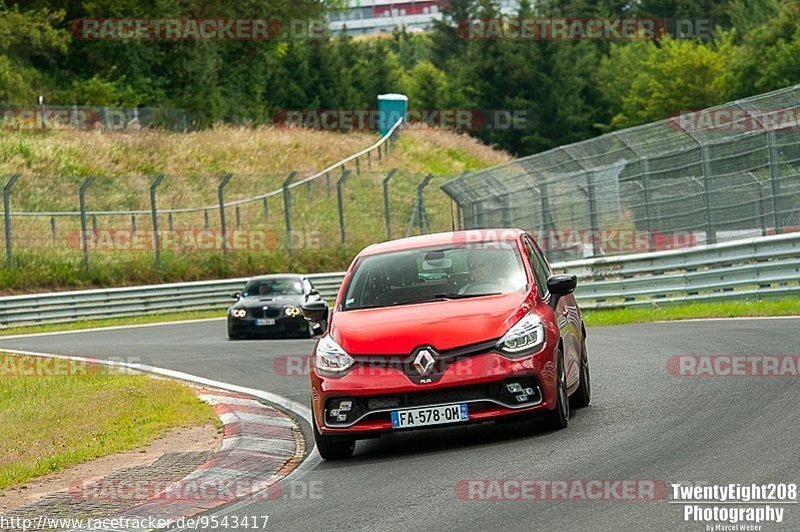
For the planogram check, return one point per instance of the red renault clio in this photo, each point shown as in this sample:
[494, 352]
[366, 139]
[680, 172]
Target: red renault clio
[443, 329]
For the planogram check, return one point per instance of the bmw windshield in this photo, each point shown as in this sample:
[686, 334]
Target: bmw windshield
[432, 274]
[273, 288]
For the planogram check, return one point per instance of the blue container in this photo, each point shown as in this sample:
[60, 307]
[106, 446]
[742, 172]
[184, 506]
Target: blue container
[391, 108]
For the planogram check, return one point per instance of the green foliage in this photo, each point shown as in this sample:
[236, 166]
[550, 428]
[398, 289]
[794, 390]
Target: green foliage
[570, 90]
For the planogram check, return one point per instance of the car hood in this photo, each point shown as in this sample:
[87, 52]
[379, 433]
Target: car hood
[265, 301]
[442, 325]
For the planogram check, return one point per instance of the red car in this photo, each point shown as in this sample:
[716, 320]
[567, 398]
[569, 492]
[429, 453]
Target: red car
[444, 329]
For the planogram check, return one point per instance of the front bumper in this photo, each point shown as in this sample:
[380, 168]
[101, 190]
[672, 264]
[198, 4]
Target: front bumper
[479, 381]
[283, 325]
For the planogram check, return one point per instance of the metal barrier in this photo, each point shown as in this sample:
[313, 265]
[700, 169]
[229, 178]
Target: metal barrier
[762, 267]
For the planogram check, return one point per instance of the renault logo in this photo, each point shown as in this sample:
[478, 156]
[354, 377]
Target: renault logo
[424, 361]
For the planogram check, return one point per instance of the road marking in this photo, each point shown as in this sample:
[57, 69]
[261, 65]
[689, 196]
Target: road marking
[110, 328]
[737, 318]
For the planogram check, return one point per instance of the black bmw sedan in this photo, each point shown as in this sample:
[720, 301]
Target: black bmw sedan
[270, 305]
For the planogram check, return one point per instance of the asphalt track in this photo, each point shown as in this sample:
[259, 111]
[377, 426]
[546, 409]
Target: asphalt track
[644, 423]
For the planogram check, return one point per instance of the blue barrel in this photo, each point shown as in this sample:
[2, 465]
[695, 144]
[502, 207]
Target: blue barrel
[391, 108]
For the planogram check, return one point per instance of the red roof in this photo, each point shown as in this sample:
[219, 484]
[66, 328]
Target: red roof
[441, 239]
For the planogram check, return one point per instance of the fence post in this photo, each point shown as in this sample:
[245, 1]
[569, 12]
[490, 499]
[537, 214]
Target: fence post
[7, 214]
[53, 232]
[133, 223]
[760, 204]
[170, 222]
[340, 203]
[774, 175]
[266, 210]
[387, 213]
[423, 218]
[238, 218]
[205, 217]
[287, 211]
[705, 165]
[82, 199]
[221, 197]
[154, 214]
[328, 182]
[644, 166]
[358, 167]
[593, 222]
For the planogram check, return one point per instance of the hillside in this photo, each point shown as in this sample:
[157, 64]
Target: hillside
[53, 165]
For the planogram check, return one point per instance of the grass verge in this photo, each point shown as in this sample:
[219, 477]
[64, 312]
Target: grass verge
[683, 311]
[55, 415]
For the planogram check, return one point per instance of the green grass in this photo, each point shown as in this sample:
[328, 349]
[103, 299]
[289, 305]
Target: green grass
[69, 414]
[682, 311]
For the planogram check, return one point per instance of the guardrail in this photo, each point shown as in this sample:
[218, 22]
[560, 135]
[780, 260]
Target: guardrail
[764, 266]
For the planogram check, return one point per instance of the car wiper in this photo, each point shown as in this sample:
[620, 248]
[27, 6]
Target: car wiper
[463, 296]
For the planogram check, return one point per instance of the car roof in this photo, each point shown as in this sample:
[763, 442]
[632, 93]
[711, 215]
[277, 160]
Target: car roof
[441, 239]
[277, 276]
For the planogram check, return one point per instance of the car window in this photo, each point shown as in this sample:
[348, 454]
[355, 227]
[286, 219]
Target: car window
[428, 274]
[541, 271]
[272, 288]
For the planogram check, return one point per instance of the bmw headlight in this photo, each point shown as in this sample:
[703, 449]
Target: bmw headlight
[292, 312]
[526, 336]
[239, 313]
[329, 356]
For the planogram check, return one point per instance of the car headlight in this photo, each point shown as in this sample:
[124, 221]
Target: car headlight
[527, 335]
[293, 312]
[239, 313]
[329, 356]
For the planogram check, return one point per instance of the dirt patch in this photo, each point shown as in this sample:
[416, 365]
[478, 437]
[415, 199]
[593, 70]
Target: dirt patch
[205, 438]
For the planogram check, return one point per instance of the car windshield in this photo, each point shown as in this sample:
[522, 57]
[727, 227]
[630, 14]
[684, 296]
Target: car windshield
[432, 274]
[273, 287]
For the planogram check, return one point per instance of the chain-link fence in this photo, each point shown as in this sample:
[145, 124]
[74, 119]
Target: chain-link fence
[719, 174]
[346, 206]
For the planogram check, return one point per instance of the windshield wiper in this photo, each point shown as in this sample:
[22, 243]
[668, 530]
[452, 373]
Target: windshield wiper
[462, 296]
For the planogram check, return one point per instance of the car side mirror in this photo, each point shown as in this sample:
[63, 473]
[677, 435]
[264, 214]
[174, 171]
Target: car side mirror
[315, 311]
[236, 295]
[560, 286]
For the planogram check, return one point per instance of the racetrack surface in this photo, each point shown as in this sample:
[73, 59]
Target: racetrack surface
[644, 423]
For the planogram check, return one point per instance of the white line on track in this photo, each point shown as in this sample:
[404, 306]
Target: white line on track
[110, 328]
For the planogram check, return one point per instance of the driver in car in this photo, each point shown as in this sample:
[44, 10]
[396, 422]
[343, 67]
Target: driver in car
[486, 275]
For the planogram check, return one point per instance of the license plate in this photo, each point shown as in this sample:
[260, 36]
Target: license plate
[265, 323]
[436, 415]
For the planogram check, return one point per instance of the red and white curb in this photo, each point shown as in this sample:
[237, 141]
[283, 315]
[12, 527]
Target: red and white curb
[261, 445]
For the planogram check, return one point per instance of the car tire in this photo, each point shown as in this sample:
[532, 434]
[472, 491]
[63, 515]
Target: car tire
[330, 448]
[583, 395]
[558, 418]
